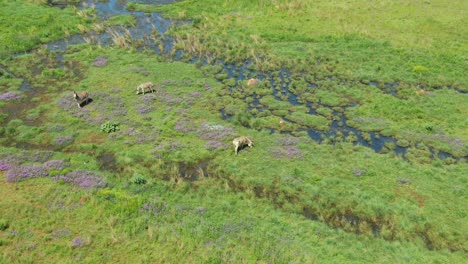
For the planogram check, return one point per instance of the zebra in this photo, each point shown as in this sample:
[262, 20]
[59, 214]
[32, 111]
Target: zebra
[252, 81]
[81, 98]
[240, 142]
[142, 87]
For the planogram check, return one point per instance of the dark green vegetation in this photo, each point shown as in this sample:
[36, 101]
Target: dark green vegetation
[25, 24]
[154, 177]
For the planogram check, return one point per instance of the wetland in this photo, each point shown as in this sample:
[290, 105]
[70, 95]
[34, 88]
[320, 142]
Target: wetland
[360, 140]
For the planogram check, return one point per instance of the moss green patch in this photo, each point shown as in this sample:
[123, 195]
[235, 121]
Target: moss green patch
[25, 25]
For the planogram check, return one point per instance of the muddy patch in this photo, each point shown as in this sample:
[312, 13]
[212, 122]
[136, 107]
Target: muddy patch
[108, 162]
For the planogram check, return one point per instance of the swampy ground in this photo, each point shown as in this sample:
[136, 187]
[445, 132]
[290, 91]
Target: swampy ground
[359, 129]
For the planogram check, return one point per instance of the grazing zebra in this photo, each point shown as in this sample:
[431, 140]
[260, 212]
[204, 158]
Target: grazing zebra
[81, 98]
[252, 81]
[240, 142]
[142, 87]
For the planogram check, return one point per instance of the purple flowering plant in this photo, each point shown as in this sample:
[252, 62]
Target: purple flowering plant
[56, 165]
[18, 173]
[63, 140]
[83, 179]
[77, 242]
[286, 148]
[11, 96]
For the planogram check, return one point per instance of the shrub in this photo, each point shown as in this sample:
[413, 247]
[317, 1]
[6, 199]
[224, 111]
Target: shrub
[138, 179]
[110, 127]
[4, 224]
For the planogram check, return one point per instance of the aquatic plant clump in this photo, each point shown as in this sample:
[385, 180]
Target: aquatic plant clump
[16, 174]
[83, 179]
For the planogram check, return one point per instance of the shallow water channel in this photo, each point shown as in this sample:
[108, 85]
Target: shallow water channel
[148, 23]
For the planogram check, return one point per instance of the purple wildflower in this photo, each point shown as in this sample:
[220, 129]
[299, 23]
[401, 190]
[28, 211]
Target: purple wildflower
[63, 140]
[147, 207]
[289, 152]
[83, 179]
[215, 132]
[100, 61]
[168, 98]
[77, 242]
[184, 126]
[195, 95]
[61, 233]
[38, 156]
[144, 109]
[214, 145]
[16, 174]
[288, 141]
[359, 172]
[148, 98]
[4, 165]
[11, 96]
[287, 148]
[56, 165]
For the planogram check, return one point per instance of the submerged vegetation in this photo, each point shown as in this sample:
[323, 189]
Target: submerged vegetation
[360, 150]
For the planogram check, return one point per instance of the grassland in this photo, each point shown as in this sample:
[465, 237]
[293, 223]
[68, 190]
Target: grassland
[154, 178]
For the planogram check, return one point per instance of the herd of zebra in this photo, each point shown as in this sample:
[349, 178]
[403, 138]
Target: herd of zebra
[83, 98]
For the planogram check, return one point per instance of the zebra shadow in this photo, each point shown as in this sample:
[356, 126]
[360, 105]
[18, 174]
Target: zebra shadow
[85, 102]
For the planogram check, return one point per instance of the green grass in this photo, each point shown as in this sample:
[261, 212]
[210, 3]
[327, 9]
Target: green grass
[287, 199]
[26, 25]
[361, 40]
[326, 172]
[180, 223]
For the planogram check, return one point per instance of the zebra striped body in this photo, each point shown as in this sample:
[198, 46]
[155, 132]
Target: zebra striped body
[81, 98]
[145, 86]
[240, 142]
[252, 81]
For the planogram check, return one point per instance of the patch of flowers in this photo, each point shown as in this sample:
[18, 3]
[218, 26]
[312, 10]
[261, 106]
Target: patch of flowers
[56, 165]
[184, 126]
[11, 96]
[4, 165]
[144, 109]
[18, 173]
[63, 140]
[214, 145]
[215, 132]
[100, 61]
[77, 242]
[286, 148]
[83, 179]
